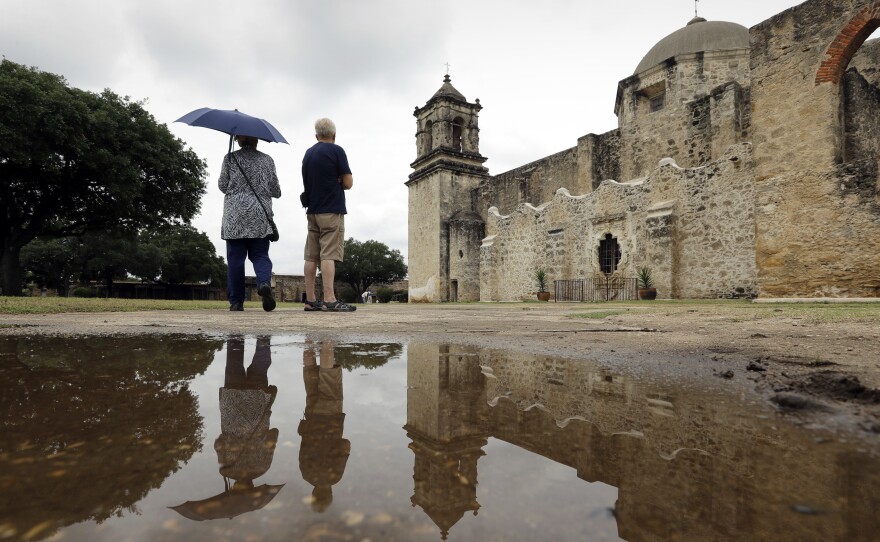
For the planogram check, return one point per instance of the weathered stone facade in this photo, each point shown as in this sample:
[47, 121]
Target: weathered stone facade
[777, 129]
[443, 235]
[817, 224]
[693, 227]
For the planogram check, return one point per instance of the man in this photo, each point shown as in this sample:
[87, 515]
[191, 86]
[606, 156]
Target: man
[326, 176]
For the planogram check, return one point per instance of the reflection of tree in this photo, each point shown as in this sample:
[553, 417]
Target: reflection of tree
[367, 356]
[91, 425]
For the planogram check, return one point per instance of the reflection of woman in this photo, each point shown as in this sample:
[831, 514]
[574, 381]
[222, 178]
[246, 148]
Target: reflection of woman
[323, 452]
[246, 227]
[246, 444]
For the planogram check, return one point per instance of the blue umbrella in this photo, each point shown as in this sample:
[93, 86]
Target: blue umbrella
[234, 123]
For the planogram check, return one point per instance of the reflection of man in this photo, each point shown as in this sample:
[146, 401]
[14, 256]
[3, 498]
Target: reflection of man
[323, 452]
[246, 443]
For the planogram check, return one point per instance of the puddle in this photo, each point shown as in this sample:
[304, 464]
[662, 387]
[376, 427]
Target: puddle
[281, 438]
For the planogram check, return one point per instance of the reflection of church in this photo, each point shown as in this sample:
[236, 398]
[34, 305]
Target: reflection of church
[445, 410]
[686, 466]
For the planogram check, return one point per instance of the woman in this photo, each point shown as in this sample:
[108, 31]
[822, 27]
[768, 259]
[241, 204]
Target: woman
[247, 175]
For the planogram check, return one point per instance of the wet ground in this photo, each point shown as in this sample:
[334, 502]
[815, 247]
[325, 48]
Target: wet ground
[282, 437]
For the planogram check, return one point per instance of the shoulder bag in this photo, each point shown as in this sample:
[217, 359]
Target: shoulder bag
[274, 235]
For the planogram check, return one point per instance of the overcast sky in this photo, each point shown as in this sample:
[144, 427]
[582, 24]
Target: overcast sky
[546, 73]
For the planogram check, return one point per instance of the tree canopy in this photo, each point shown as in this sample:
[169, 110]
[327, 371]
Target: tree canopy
[368, 263]
[170, 255]
[74, 161]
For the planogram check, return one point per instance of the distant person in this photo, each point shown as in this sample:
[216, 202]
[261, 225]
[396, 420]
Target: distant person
[249, 181]
[326, 176]
[365, 296]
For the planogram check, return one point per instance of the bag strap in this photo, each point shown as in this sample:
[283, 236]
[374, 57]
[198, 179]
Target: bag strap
[248, 181]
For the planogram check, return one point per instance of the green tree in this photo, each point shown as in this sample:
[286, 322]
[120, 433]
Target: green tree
[185, 255]
[54, 263]
[107, 257]
[74, 161]
[368, 263]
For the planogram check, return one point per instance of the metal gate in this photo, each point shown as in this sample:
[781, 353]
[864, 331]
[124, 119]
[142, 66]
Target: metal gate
[597, 289]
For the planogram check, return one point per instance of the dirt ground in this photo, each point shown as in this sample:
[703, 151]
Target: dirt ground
[822, 370]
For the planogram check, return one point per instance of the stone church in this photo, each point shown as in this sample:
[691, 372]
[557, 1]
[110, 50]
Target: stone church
[745, 164]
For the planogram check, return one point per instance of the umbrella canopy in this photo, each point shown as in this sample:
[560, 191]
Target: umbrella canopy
[234, 123]
[228, 504]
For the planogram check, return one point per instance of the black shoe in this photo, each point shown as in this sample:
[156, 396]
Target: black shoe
[339, 306]
[265, 292]
[314, 306]
[236, 307]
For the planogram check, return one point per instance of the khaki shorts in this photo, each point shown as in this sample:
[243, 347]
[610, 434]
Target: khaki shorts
[326, 237]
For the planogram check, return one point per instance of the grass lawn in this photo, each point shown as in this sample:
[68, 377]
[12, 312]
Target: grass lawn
[50, 305]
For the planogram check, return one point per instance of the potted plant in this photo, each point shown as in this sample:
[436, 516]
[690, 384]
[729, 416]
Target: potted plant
[541, 279]
[646, 284]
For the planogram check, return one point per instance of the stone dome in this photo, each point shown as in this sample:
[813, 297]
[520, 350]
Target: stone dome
[698, 36]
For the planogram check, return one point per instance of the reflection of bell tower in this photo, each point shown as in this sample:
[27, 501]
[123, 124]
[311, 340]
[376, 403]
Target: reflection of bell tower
[446, 420]
[444, 231]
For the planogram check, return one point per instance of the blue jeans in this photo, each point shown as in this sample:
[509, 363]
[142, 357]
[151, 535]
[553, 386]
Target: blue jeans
[257, 251]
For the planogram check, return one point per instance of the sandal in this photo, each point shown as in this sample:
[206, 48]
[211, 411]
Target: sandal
[339, 306]
[314, 306]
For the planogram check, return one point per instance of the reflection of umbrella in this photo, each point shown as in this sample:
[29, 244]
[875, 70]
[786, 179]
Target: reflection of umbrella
[234, 123]
[228, 504]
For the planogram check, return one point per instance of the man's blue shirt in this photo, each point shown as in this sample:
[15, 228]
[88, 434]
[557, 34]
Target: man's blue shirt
[323, 165]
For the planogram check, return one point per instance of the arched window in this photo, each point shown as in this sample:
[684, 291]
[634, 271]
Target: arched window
[457, 130]
[609, 254]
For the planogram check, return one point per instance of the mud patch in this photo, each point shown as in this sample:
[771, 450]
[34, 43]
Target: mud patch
[837, 386]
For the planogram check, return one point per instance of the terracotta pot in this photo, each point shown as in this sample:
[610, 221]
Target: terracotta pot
[543, 296]
[648, 293]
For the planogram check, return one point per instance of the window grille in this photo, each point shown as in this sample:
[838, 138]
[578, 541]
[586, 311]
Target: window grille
[609, 254]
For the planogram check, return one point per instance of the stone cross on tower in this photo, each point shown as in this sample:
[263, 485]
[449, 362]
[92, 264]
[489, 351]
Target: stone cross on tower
[447, 67]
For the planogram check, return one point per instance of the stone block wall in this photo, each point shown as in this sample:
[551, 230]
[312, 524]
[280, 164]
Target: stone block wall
[466, 232]
[861, 105]
[580, 169]
[704, 111]
[424, 232]
[693, 227]
[535, 181]
[817, 234]
[598, 160]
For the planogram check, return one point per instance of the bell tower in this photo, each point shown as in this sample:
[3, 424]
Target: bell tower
[444, 229]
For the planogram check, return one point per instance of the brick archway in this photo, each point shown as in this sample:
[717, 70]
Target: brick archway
[847, 42]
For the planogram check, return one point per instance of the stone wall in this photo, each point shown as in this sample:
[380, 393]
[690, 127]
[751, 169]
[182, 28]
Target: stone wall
[704, 112]
[535, 181]
[598, 160]
[435, 202]
[579, 169]
[466, 232]
[424, 263]
[693, 227]
[817, 233]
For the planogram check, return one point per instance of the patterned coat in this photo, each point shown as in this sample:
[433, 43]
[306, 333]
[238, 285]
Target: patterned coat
[243, 218]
